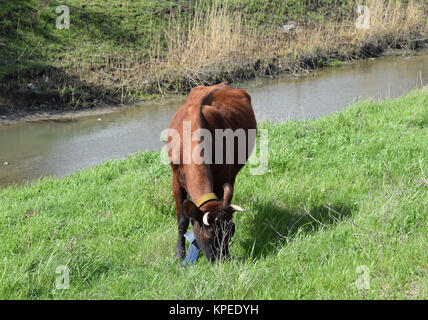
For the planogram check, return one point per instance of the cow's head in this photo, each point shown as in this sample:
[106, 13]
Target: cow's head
[213, 224]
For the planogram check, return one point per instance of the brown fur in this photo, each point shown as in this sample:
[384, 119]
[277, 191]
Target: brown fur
[214, 107]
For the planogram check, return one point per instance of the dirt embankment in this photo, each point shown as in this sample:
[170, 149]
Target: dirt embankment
[203, 45]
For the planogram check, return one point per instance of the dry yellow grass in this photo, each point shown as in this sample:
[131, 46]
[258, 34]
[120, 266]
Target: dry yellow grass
[221, 45]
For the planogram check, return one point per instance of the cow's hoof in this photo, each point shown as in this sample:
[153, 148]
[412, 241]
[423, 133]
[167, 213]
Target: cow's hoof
[180, 253]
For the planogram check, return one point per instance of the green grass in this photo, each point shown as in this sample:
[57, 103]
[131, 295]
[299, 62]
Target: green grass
[114, 225]
[100, 31]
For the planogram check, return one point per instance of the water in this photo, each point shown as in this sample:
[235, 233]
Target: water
[330, 90]
[58, 148]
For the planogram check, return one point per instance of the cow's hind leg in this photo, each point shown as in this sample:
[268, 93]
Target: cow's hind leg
[180, 195]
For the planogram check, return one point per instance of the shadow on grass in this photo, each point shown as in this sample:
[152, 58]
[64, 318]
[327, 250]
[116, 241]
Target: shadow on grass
[274, 226]
[65, 92]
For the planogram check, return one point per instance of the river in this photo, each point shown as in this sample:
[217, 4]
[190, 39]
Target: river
[60, 147]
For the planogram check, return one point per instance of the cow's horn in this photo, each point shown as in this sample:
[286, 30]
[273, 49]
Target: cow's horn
[205, 219]
[237, 208]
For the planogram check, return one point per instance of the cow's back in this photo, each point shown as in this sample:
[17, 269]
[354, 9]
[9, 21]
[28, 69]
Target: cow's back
[222, 107]
[217, 107]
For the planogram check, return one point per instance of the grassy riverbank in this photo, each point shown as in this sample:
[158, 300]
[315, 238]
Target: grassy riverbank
[344, 191]
[117, 52]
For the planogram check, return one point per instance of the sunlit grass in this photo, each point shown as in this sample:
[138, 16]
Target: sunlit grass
[347, 190]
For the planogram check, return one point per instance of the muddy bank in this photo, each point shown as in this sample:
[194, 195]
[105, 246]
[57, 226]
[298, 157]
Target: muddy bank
[53, 112]
[8, 117]
[30, 110]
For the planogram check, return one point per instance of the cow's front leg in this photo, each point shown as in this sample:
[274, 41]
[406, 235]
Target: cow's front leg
[180, 195]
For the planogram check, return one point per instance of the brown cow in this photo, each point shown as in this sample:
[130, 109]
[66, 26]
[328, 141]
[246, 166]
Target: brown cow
[209, 108]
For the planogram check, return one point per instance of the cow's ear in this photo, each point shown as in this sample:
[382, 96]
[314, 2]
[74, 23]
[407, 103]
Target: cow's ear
[191, 210]
[227, 193]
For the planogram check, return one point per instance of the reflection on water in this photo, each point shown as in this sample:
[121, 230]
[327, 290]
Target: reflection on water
[59, 148]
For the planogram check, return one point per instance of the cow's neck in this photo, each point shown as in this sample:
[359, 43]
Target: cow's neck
[198, 181]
